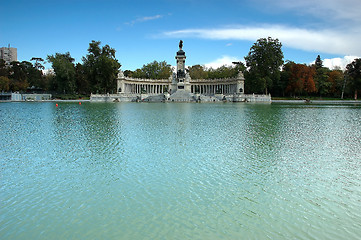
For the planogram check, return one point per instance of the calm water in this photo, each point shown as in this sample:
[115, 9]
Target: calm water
[180, 171]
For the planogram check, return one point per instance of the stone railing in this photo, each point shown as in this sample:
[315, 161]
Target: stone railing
[145, 80]
[213, 81]
[216, 80]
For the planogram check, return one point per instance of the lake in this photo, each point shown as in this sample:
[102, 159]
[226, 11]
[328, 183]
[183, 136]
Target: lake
[180, 171]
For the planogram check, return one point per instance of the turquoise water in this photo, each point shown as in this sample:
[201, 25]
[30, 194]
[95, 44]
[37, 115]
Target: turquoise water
[180, 171]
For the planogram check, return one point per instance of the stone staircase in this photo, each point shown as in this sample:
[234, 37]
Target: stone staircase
[182, 96]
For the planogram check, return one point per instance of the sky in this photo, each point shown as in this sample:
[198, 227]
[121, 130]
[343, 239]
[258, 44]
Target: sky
[213, 32]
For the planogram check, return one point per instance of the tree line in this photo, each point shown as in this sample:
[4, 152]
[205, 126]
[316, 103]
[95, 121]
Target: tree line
[96, 74]
[265, 71]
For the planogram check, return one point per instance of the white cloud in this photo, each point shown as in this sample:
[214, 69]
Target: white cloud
[333, 63]
[224, 60]
[144, 19]
[331, 10]
[322, 41]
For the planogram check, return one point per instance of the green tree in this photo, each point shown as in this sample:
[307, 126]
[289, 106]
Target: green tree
[3, 69]
[284, 80]
[322, 81]
[154, 70]
[49, 82]
[225, 71]
[198, 72]
[82, 83]
[63, 65]
[321, 78]
[4, 83]
[318, 62]
[353, 72]
[128, 73]
[101, 67]
[34, 74]
[18, 76]
[264, 61]
[37, 63]
[201, 72]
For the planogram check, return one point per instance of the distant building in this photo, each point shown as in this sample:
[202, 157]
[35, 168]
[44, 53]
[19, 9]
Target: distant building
[8, 54]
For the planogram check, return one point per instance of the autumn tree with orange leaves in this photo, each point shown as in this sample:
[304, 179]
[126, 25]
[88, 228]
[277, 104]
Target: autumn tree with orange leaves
[301, 79]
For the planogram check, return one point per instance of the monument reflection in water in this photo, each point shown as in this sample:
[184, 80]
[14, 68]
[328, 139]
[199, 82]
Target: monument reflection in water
[180, 171]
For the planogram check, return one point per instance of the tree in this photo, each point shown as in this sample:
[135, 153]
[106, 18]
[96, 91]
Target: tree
[318, 62]
[63, 65]
[226, 72]
[353, 72]
[37, 63]
[101, 67]
[321, 77]
[82, 83]
[198, 72]
[336, 78]
[4, 84]
[34, 74]
[154, 70]
[301, 80]
[201, 72]
[3, 69]
[307, 76]
[18, 76]
[284, 80]
[128, 73]
[264, 61]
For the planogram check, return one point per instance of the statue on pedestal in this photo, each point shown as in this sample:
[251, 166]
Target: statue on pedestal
[180, 45]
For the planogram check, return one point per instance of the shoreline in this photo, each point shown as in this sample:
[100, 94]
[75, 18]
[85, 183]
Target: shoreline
[319, 101]
[273, 101]
[53, 100]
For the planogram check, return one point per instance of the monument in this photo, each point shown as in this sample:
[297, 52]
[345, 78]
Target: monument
[180, 87]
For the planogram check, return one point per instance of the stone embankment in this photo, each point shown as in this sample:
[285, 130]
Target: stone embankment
[179, 96]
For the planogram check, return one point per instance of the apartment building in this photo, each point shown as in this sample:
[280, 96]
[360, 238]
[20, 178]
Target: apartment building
[9, 54]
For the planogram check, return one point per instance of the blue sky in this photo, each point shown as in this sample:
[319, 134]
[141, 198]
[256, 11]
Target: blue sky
[214, 32]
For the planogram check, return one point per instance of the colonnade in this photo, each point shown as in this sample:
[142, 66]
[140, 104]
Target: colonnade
[145, 88]
[206, 89]
[214, 88]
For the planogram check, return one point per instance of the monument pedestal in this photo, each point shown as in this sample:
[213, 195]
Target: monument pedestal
[182, 96]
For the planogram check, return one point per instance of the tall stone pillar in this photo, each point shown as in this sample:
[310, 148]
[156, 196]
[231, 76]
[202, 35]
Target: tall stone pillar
[120, 82]
[240, 83]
